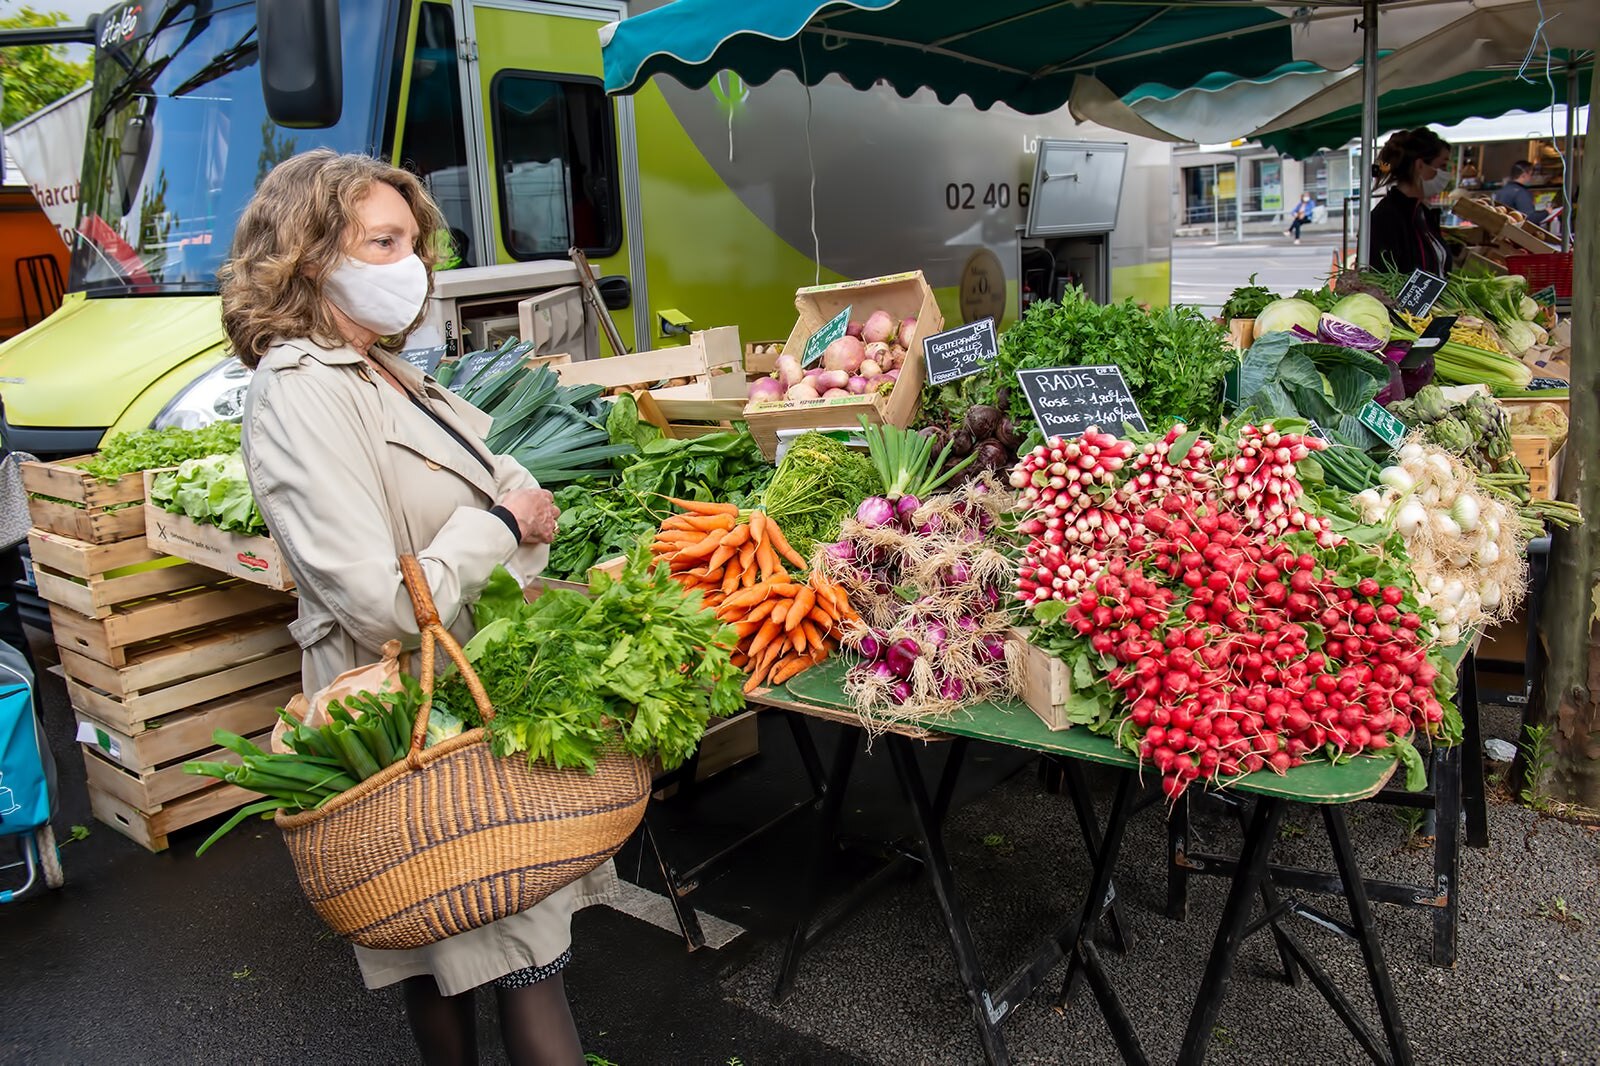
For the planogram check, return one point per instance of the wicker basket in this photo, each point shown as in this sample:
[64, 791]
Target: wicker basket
[453, 838]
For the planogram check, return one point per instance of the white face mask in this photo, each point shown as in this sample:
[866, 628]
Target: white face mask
[382, 297]
[1437, 184]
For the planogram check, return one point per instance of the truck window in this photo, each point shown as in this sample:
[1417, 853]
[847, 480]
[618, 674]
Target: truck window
[557, 165]
[433, 143]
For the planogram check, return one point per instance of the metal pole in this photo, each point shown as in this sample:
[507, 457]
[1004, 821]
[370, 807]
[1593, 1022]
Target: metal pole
[1569, 159]
[1369, 125]
[1238, 198]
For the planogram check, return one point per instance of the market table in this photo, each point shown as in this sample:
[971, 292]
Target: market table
[819, 693]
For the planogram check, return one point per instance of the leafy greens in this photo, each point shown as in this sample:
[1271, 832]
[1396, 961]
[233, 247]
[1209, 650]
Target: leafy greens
[636, 662]
[151, 449]
[213, 491]
[1173, 358]
[1283, 376]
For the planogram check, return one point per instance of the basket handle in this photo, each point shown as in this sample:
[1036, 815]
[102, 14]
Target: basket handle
[434, 632]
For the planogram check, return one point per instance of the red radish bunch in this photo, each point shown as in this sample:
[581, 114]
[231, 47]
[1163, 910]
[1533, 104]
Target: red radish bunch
[1229, 650]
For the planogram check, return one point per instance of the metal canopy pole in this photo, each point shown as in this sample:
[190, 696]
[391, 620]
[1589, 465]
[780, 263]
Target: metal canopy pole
[1369, 125]
[1570, 159]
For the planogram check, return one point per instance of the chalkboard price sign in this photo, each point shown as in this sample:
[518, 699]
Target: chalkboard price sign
[1545, 297]
[1437, 333]
[426, 360]
[1068, 400]
[831, 331]
[960, 352]
[1417, 296]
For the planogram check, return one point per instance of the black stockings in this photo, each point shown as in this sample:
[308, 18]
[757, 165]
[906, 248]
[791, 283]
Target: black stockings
[535, 1023]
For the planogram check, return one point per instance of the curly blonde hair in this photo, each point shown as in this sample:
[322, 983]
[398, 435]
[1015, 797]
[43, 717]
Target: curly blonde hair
[292, 233]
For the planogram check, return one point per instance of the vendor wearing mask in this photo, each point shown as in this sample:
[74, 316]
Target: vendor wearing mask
[1515, 195]
[1405, 232]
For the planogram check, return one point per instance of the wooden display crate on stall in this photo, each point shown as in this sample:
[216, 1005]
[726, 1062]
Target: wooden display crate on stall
[1524, 234]
[709, 367]
[903, 296]
[66, 500]
[1046, 682]
[254, 559]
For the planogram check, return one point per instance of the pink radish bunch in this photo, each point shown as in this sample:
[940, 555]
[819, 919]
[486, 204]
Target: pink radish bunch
[1261, 481]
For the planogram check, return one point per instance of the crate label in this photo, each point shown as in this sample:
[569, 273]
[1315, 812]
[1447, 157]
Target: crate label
[1418, 294]
[831, 331]
[1546, 296]
[961, 352]
[1384, 424]
[1068, 400]
[99, 738]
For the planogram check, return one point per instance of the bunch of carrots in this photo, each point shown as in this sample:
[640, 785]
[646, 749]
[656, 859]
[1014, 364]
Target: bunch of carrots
[735, 559]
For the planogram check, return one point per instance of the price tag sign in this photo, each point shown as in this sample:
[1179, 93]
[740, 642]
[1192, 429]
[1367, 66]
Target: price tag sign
[1437, 333]
[515, 357]
[831, 331]
[1384, 424]
[426, 360]
[961, 352]
[470, 365]
[1545, 297]
[1232, 384]
[1417, 296]
[1069, 400]
[1317, 431]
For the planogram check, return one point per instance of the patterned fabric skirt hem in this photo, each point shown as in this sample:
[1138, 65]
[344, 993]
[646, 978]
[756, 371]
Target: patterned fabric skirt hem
[534, 974]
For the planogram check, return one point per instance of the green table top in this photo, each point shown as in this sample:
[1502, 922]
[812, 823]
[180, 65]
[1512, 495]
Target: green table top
[1011, 722]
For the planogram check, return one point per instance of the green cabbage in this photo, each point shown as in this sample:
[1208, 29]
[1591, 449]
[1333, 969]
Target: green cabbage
[1360, 309]
[1281, 316]
[212, 491]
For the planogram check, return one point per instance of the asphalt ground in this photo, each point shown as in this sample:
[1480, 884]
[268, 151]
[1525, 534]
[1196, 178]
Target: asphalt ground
[1205, 272]
[170, 959]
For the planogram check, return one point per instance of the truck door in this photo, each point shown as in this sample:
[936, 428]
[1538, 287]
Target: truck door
[558, 166]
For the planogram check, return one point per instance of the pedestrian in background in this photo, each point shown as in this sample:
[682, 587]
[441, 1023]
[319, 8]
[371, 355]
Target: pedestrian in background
[1515, 195]
[1303, 211]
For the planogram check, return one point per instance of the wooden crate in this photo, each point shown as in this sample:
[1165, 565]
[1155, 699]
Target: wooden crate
[163, 741]
[1544, 469]
[92, 579]
[152, 828]
[131, 628]
[903, 296]
[683, 419]
[66, 500]
[149, 790]
[712, 364]
[1524, 235]
[253, 559]
[1242, 332]
[760, 358]
[1046, 683]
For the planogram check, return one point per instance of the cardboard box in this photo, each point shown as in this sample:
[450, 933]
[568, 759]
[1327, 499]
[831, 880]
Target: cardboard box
[903, 296]
[255, 559]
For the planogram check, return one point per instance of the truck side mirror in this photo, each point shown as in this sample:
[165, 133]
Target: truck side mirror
[302, 67]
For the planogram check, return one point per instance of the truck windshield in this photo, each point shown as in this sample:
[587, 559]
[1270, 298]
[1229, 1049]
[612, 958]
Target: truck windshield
[179, 138]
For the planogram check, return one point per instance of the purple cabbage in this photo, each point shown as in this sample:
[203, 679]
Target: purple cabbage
[1332, 330]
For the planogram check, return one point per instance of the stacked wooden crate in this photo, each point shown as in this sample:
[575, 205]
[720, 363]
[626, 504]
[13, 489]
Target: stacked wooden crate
[157, 653]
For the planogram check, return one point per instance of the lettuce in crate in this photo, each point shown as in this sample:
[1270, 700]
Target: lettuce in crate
[213, 491]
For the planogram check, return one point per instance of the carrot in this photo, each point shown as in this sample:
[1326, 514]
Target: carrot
[798, 638]
[706, 547]
[679, 536]
[781, 612]
[760, 611]
[790, 668]
[804, 600]
[697, 507]
[730, 581]
[745, 629]
[738, 659]
[758, 526]
[737, 536]
[750, 574]
[786, 589]
[720, 558]
[765, 637]
[826, 595]
[781, 545]
[815, 634]
[780, 576]
[765, 557]
[749, 597]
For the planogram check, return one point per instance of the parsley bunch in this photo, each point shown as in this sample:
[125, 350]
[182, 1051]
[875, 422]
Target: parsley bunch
[637, 662]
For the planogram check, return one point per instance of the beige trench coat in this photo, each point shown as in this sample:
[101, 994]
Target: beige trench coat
[349, 475]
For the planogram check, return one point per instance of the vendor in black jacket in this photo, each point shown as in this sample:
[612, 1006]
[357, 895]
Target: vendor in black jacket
[1515, 195]
[1405, 230]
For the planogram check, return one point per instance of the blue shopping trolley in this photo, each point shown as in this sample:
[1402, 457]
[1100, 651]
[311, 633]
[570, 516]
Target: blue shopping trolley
[27, 780]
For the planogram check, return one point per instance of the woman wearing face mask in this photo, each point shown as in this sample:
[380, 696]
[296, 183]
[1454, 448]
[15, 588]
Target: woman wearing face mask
[1405, 229]
[356, 457]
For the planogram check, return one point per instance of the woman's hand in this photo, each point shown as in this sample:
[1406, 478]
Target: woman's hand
[536, 514]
